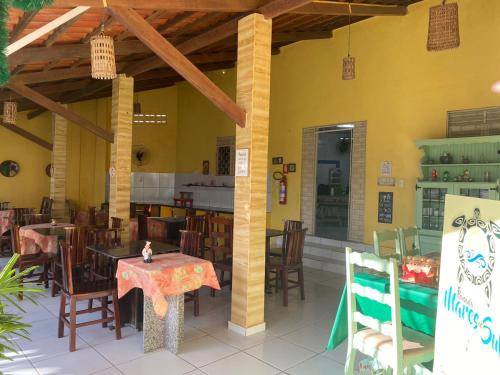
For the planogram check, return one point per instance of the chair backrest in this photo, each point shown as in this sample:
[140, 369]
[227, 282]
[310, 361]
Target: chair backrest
[101, 219]
[408, 242]
[293, 246]
[4, 206]
[76, 239]
[196, 223]
[116, 222]
[46, 206]
[191, 243]
[67, 264]
[391, 298]
[142, 227]
[30, 219]
[104, 237]
[221, 236]
[292, 225]
[91, 211]
[15, 239]
[381, 242]
[19, 215]
[133, 210]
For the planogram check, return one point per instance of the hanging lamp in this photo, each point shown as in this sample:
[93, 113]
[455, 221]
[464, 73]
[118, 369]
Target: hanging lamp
[9, 112]
[443, 27]
[349, 62]
[102, 56]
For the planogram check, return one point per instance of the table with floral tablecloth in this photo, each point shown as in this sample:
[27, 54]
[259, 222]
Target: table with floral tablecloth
[6, 218]
[164, 282]
[32, 241]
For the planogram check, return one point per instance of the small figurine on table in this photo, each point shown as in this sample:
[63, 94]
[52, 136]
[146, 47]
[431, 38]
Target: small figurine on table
[147, 252]
[53, 222]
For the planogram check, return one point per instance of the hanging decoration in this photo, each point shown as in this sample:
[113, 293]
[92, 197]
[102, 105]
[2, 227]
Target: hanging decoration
[349, 62]
[102, 56]
[26, 6]
[443, 27]
[9, 112]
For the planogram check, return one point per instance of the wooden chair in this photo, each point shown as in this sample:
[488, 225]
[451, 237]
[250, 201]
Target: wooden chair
[381, 245]
[30, 219]
[76, 237]
[192, 245]
[4, 206]
[394, 346]
[19, 214]
[221, 247]
[46, 206]
[403, 247]
[29, 260]
[82, 219]
[101, 219]
[289, 263]
[77, 290]
[197, 223]
[142, 227]
[92, 217]
[288, 226]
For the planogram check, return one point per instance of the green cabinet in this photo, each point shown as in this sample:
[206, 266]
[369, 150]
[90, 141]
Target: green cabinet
[483, 154]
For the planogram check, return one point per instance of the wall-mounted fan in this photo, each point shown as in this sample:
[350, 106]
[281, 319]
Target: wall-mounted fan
[140, 155]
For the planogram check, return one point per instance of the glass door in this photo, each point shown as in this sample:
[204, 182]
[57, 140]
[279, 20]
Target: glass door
[432, 215]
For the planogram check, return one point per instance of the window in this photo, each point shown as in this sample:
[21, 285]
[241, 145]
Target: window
[225, 156]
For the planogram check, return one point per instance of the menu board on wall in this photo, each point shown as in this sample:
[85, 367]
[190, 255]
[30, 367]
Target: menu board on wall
[468, 316]
[385, 202]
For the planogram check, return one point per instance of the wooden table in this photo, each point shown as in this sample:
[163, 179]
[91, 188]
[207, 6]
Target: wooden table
[164, 282]
[38, 237]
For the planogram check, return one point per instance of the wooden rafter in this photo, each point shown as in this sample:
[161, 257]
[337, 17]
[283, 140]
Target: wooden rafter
[278, 7]
[354, 9]
[18, 30]
[27, 135]
[174, 21]
[61, 110]
[173, 57]
[156, 14]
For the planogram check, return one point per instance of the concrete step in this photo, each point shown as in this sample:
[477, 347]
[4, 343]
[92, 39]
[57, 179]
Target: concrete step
[324, 264]
[324, 251]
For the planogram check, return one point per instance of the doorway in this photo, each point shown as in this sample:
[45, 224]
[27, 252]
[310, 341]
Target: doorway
[333, 181]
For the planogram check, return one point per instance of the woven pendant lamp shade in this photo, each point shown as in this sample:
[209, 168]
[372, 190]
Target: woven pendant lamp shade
[443, 27]
[102, 56]
[348, 68]
[9, 112]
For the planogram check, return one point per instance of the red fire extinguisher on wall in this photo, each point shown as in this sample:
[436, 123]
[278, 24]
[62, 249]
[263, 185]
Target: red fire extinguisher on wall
[283, 186]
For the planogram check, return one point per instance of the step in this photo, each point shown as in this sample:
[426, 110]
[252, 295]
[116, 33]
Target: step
[325, 251]
[324, 264]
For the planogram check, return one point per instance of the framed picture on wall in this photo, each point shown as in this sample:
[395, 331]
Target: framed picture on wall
[206, 167]
[292, 167]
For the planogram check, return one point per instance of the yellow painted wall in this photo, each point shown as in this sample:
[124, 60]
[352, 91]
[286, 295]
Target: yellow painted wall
[31, 184]
[401, 90]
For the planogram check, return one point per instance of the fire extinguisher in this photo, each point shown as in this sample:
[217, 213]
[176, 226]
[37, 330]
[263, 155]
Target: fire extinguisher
[283, 186]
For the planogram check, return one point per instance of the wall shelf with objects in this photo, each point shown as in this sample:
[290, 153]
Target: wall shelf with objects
[468, 166]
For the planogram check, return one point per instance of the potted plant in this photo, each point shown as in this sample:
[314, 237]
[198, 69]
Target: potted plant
[11, 286]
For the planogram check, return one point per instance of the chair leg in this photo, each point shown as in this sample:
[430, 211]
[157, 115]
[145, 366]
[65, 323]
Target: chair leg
[351, 358]
[116, 314]
[46, 275]
[21, 269]
[196, 299]
[277, 278]
[90, 303]
[301, 283]
[284, 285]
[72, 324]
[62, 312]
[104, 312]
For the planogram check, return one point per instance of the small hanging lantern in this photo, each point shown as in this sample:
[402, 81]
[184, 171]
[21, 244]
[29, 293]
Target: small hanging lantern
[9, 112]
[102, 56]
[349, 62]
[443, 27]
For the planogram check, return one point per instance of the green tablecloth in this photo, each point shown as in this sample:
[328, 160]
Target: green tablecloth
[418, 307]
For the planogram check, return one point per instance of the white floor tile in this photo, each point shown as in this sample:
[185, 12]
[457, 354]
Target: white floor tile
[192, 333]
[318, 365]
[202, 351]
[95, 334]
[21, 368]
[195, 372]
[84, 361]
[239, 341]
[280, 353]
[121, 351]
[310, 337]
[241, 364]
[109, 371]
[153, 363]
[39, 350]
[43, 328]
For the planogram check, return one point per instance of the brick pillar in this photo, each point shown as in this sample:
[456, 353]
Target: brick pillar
[58, 179]
[121, 150]
[252, 93]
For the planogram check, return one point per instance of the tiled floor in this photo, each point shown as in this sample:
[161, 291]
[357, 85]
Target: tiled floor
[293, 343]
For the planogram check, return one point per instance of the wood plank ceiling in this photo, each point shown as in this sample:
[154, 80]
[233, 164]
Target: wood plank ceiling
[57, 64]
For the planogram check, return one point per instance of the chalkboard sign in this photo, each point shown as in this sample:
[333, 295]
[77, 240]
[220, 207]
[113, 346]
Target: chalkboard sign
[385, 200]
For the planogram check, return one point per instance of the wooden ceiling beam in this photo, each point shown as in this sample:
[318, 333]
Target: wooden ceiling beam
[21, 25]
[49, 89]
[172, 5]
[278, 7]
[174, 21]
[173, 57]
[354, 9]
[60, 31]
[155, 15]
[49, 104]
[27, 135]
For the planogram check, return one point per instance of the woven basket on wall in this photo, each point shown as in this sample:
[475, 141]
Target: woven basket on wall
[348, 68]
[9, 112]
[443, 27]
[102, 54]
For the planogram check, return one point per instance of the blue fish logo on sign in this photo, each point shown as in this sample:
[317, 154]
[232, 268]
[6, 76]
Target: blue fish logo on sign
[478, 258]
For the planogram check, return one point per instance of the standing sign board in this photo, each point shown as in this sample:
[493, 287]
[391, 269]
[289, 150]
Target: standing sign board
[468, 317]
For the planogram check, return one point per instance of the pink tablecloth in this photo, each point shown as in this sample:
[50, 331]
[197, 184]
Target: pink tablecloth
[169, 275]
[6, 218]
[32, 242]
